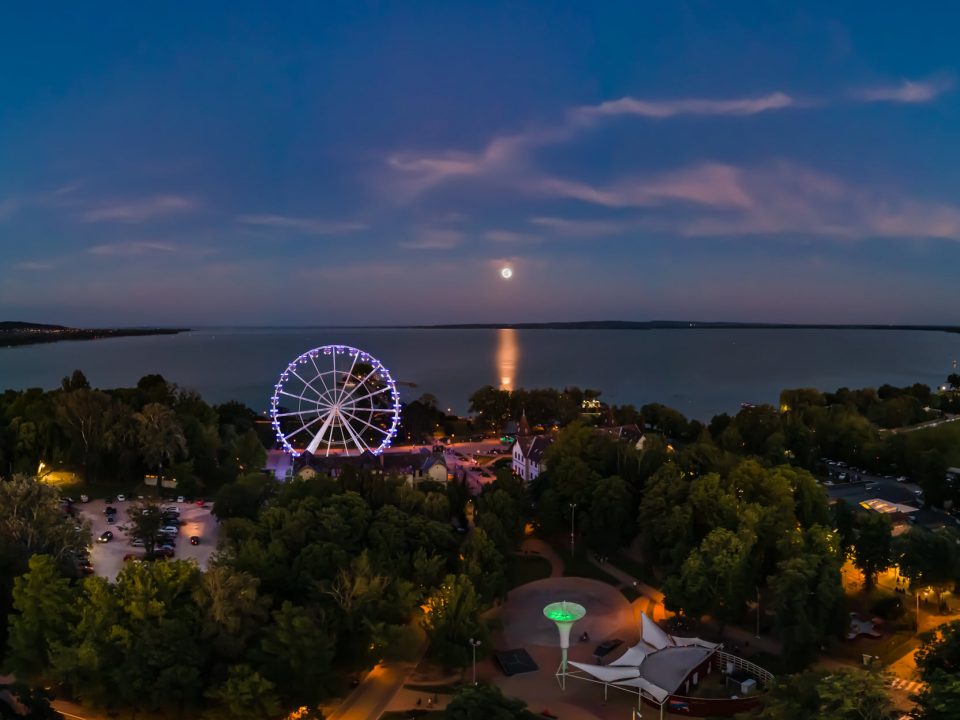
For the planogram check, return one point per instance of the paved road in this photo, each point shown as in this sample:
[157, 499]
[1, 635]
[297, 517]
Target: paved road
[373, 695]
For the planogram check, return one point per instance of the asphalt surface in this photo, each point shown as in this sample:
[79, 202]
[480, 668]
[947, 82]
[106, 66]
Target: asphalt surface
[107, 558]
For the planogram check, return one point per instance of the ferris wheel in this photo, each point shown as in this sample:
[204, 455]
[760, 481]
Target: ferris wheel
[335, 399]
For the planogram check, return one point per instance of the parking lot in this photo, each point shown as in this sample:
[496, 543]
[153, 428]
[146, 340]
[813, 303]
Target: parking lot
[107, 558]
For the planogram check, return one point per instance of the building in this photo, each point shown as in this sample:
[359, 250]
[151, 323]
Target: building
[413, 467]
[528, 452]
[631, 434]
[665, 671]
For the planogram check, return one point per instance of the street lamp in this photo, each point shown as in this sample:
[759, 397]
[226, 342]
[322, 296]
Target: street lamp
[474, 644]
[573, 515]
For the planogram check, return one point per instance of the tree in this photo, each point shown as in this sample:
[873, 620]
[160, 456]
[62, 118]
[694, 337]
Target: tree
[714, 577]
[88, 416]
[928, 559]
[938, 660]
[485, 702]
[145, 519]
[299, 651]
[42, 599]
[609, 521]
[244, 695]
[484, 565]
[452, 619]
[873, 549]
[817, 695]
[160, 436]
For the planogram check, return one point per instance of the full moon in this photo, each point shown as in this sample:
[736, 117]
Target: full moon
[506, 273]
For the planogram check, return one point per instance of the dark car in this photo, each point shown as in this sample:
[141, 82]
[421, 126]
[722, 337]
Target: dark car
[105, 536]
[164, 551]
[86, 567]
[109, 510]
[194, 539]
[606, 647]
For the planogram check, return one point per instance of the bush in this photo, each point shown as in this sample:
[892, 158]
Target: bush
[888, 608]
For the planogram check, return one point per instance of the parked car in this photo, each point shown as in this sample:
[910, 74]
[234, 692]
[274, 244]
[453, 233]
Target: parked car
[180, 498]
[110, 510]
[86, 567]
[164, 551]
[121, 498]
[136, 542]
[170, 529]
[84, 498]
[105, 537]
[194, 539]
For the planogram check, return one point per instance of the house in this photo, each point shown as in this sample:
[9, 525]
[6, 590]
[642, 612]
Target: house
[413, 467]
[528, 452]
[631, 434]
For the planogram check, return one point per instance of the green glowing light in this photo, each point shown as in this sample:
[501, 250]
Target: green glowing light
[564, 612]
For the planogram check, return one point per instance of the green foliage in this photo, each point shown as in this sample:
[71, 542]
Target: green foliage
[873, 550]
[485, 702]
[452, 619]
[938, 660]
[42, 600]
[818, 695]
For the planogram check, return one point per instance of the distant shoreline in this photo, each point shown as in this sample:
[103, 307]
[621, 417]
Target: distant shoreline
[670, 325]
[17, 334]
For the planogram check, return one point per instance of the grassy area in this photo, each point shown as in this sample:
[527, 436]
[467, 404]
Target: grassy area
[527, 568]
[579, 565]
[406, 714]
[641, 571]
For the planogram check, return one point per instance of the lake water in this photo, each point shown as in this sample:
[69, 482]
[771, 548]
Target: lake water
[699, 372]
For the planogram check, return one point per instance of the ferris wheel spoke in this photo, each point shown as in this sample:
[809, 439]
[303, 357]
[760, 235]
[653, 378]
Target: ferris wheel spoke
[298, 397]
[319, 374]
[373, 394]
[356, 438]
[307, 384]
[303, 427]
[301, 412]
[318, 438]
[372, 427]
[362, 383]
[349, 376]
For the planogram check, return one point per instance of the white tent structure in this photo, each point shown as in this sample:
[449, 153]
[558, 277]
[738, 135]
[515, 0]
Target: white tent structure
[656, 667]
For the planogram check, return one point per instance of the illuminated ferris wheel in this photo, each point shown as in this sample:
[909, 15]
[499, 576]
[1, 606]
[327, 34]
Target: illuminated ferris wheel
[335, 399]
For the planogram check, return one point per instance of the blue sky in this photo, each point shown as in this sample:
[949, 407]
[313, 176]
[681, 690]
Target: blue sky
[374, 162]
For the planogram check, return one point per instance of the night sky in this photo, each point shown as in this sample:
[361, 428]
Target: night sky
[374, 162]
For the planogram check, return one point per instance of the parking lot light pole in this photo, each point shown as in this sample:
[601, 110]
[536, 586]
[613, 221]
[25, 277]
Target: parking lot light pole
[474, 644]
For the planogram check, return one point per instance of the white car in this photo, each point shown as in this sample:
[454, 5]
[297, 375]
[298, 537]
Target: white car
[121, 498]
[170, 529]
[172, 509]
[181, 498]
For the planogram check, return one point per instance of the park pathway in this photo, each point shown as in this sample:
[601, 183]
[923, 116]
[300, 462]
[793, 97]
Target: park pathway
[536, 546]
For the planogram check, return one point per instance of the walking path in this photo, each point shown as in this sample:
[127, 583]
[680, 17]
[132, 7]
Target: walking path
[374, 694]
[537, 546]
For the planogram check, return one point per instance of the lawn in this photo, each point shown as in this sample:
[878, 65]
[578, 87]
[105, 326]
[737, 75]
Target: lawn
[641, 571]
[579, 565]
[527, 568]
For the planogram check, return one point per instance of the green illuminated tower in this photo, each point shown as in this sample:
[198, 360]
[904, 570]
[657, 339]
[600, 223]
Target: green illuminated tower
[564, 614]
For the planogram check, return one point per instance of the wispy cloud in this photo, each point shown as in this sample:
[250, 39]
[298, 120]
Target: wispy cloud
[34, 265]
[507, 158]
[510, 236]
[132, 248]
[141, 210]
[305, 225]
[687, 106]
[906, 92]
[434, 239]
[710, 184]
[578, 227]
[8, 206]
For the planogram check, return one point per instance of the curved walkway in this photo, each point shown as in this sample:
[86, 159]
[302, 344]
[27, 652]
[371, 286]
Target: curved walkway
[536, 546]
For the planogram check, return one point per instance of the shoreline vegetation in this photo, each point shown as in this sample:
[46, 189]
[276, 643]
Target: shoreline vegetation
[14, 334]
